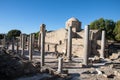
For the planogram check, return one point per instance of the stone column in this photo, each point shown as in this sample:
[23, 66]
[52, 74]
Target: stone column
[90, 43]
[86, 45]
[30, 47]
[17, 47]
[13, 44]
[21, 40]
[25, 41]
[42, 29]
[56, 47]
[7, 44]
[48, 47]
[4, 41]
[28, 41]
[39, 40]
[60, 64]
[33, 42]
[23, 44]
[69, 47]
[66, 46]
[102, 45]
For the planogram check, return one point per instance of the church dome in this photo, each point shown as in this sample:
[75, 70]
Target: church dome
[75, 23]
[72, 19]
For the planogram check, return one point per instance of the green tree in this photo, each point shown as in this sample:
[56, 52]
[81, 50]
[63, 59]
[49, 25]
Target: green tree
[13, 33]
[107, 25]
[98, 24]
[117, 31]
[36, 35]
[1, 36]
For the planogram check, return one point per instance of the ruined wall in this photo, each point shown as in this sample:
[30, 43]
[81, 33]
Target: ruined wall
[56, 36]
[53, 42]
[95, 36]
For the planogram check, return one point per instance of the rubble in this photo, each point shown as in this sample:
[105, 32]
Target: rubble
[12, 66]
[114, 56]
[117, 73]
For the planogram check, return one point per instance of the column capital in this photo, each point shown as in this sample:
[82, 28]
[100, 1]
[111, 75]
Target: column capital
[42, 27]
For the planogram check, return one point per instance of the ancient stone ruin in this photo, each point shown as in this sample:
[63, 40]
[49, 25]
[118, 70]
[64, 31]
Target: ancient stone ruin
[70, 53]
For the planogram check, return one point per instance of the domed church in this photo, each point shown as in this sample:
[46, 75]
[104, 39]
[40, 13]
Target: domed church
[56, 41]
[75, 23]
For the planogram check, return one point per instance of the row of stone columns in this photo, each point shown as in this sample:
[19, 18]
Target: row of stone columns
[42, 39]
[69, 47]
[13, 41]
[30, 40]
[86, 45]
[30, 44]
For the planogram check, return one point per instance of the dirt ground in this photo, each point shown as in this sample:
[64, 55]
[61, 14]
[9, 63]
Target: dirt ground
[108, 69]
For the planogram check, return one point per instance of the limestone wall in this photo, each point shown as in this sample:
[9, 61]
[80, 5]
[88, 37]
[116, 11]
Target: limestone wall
[53, 42]
[77, 47]
[56, 36]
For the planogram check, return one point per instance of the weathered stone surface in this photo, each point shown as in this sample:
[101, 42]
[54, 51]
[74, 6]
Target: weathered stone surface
[117, 73]
[111, 76]
[28, 68]
[30, 47]
[9, 67]
[12, 66]
[60, 64]
[102, 54]
[114, 56]
[69, 47]
[86, 45]
[59, 37]
[42, 29]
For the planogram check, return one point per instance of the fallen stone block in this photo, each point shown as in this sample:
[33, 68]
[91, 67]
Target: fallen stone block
[117, 73]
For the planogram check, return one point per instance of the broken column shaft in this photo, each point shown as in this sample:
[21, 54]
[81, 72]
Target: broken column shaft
[23, 44]
[4, 41]
[102, 45]
[69, 47]
[60, 64]
[86, 45]
[33, 41]
[28, 41]
[17, 46]
[21, 40]
[39, 41]
[55, 47]
[12, 44]
[30, 47]
[42, 30]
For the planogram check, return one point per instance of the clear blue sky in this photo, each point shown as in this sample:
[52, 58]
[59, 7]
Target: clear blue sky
[27, 15]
